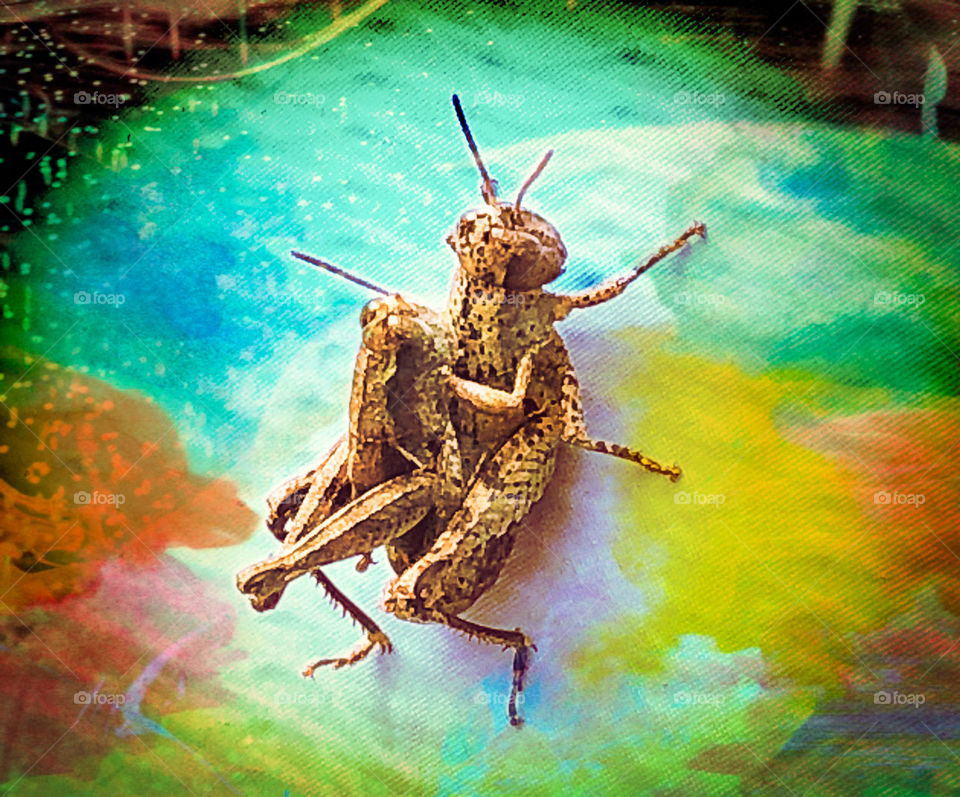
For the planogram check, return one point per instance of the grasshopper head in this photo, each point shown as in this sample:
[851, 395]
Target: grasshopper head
[502, 244]
[508, 247]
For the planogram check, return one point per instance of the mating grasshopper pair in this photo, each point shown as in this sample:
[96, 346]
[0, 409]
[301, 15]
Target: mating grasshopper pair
[455, 423]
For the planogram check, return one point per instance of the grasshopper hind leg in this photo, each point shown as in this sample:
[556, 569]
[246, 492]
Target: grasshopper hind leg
[375, 636]
[469, 555]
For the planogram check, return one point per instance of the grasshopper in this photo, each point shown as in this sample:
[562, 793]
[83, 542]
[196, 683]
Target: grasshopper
[395, 475]
[498, 309]
[503, 340]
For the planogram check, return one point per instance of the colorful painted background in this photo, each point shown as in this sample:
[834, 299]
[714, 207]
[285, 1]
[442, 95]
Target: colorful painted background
[784, 620]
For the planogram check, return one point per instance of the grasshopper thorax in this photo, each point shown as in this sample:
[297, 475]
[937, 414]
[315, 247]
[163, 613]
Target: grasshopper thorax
[508, 248]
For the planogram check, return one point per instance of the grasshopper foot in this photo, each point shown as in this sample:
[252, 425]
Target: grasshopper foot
[365, 561]
[359, 653]
[521, 663]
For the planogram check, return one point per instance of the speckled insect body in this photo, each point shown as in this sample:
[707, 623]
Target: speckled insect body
[504, 401]
[394, 479]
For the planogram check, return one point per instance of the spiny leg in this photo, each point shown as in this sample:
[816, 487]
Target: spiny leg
[378, 516]
[469, 555]
[623, 452]
[614, 287]
[375, 635]
[574, 430]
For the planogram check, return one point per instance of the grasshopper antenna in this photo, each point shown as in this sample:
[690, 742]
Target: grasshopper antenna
[488, 191]
[340, 272]
[532, 177]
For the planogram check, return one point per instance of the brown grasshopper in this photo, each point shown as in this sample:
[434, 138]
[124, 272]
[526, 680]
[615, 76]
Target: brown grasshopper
[498, 310]
[394, 478]
[500, 315]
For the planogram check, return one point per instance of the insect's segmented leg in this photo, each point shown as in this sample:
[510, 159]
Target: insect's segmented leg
[515, 639]
[469, 555]
[614, 287]
[491, 399]
[574, 425]
[358, 653]
[379, 515]
[315, 492]
[631, 454]
[520, 666]
[574, 429]
[375, 635]
[365, 561]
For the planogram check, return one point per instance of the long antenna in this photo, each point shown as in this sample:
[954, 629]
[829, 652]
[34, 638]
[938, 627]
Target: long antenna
[488, 192]
[532, 177]
[340, 272]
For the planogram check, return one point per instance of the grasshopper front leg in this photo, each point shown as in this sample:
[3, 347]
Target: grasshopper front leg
[614, 287]
[493, 400]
